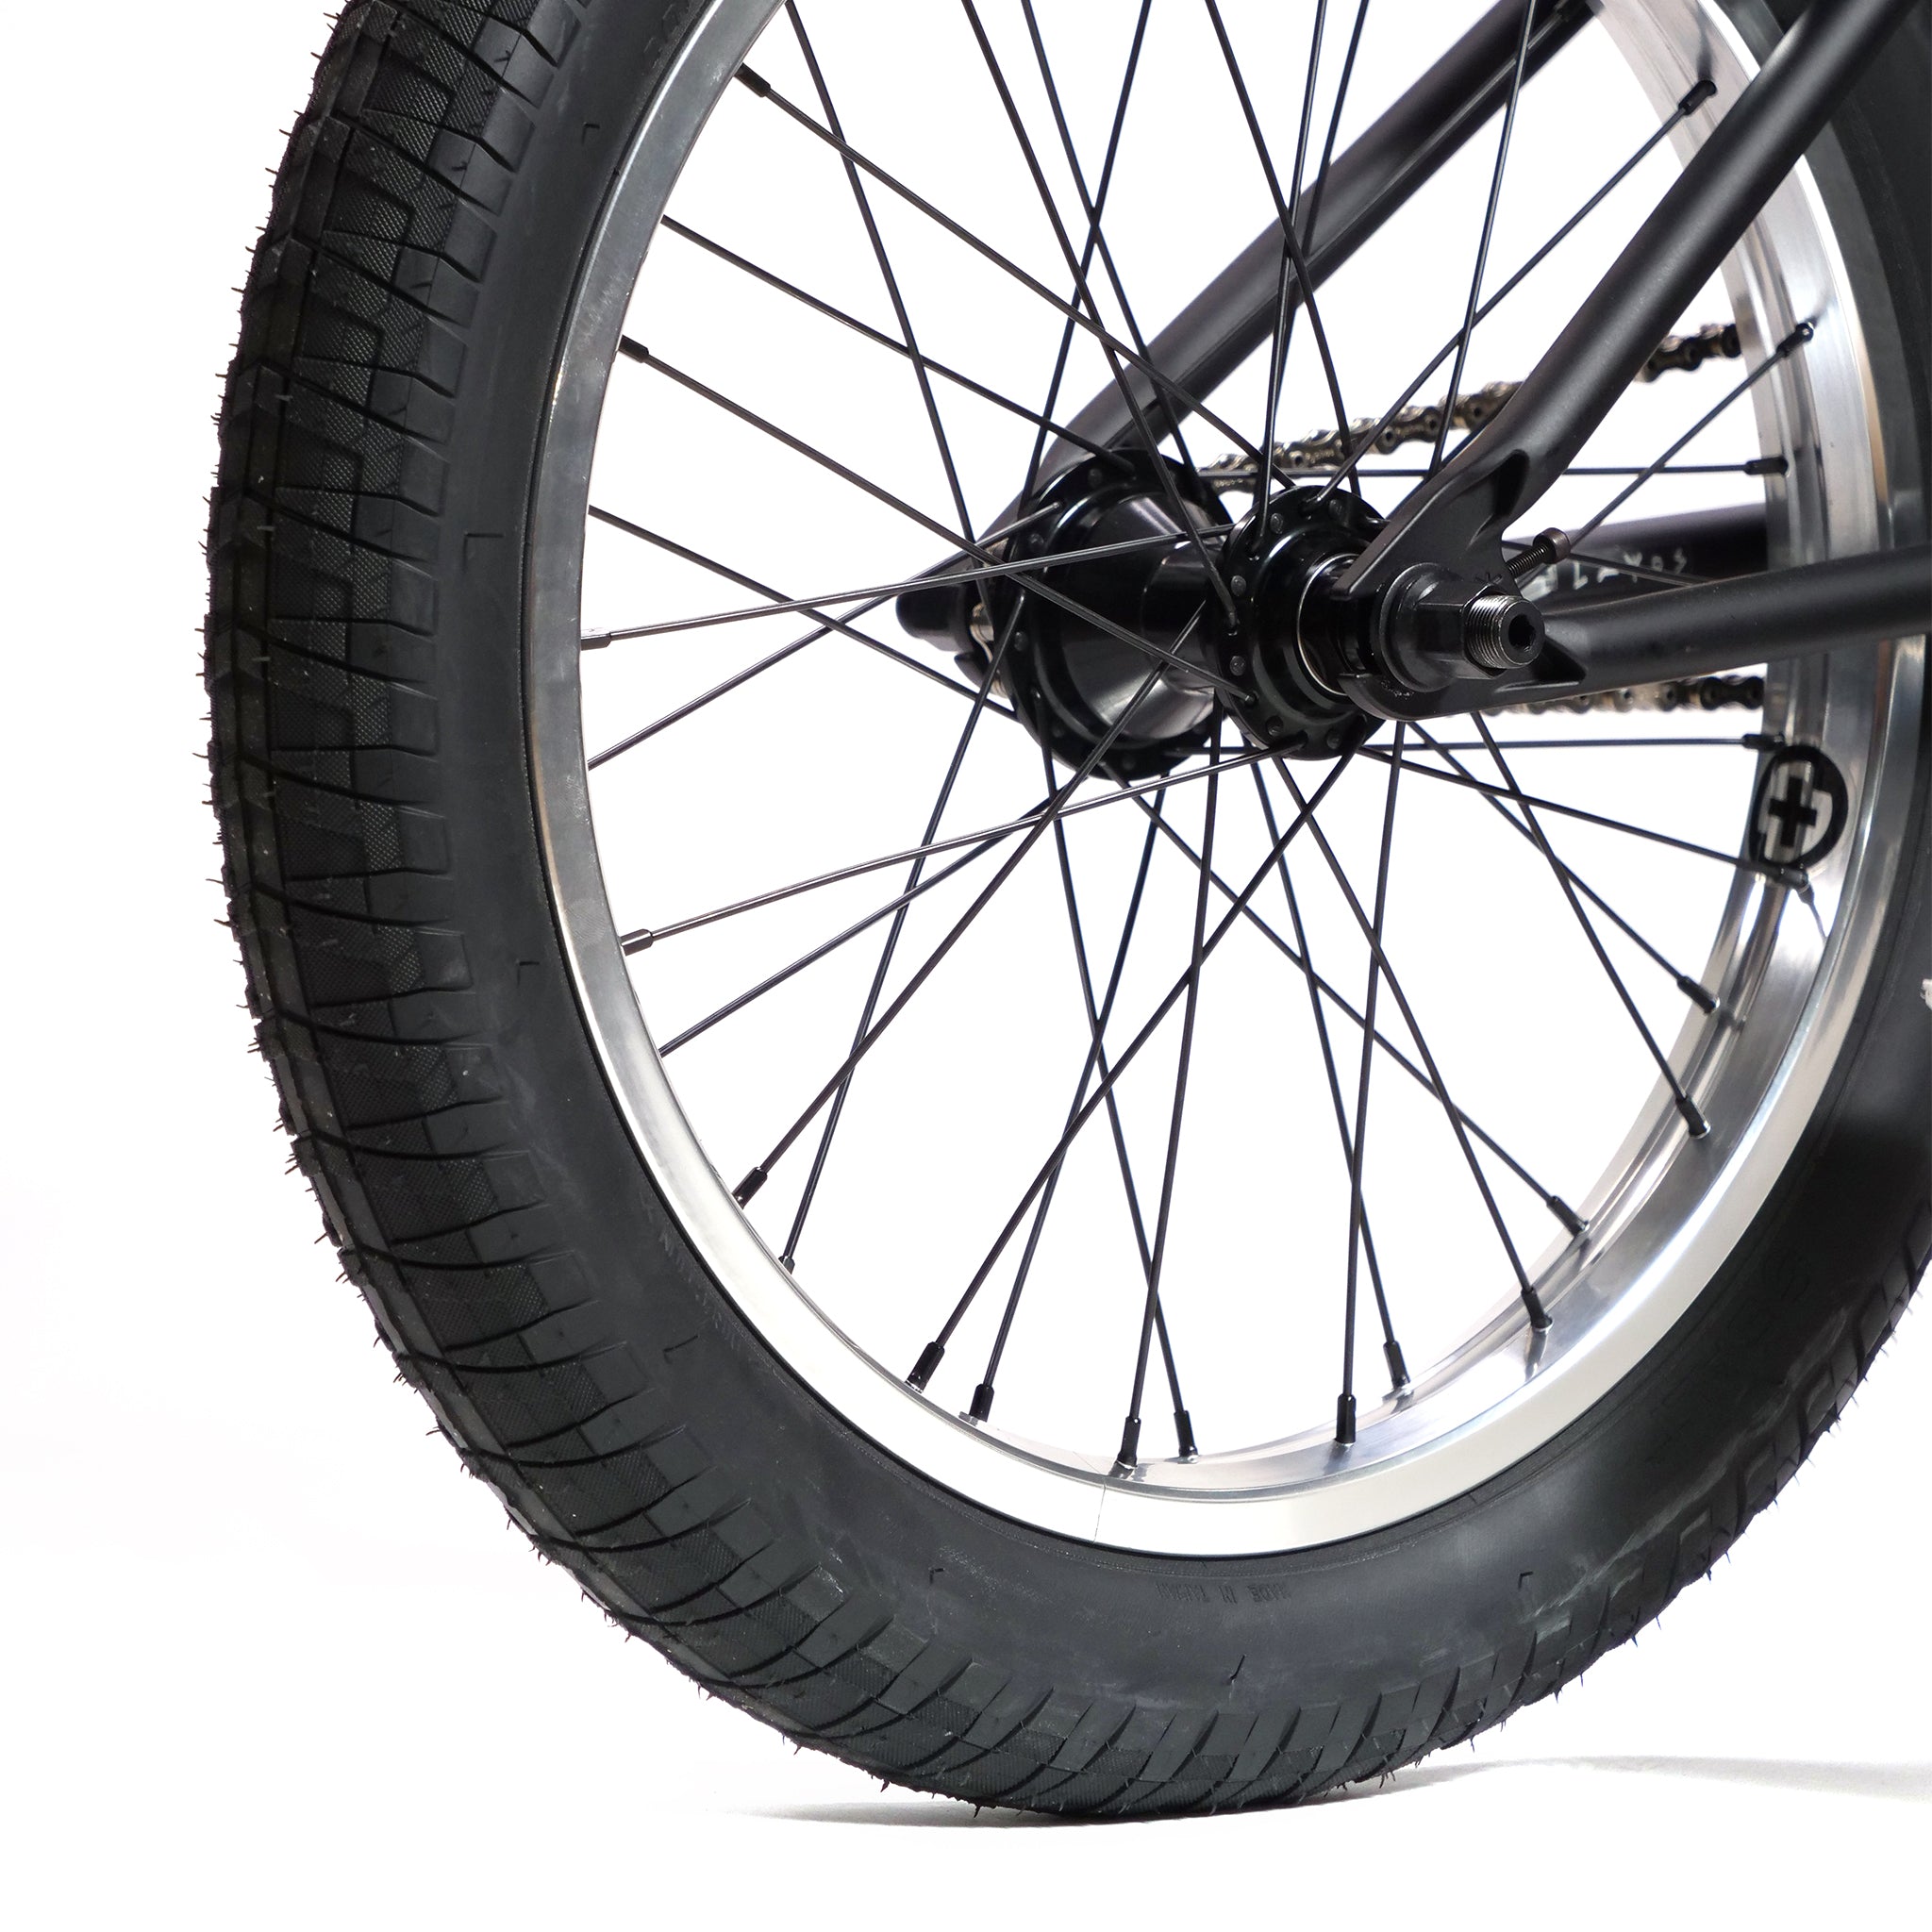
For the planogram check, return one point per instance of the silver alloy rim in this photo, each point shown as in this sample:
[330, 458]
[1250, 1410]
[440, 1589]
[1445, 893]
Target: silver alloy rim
[1668, 1212]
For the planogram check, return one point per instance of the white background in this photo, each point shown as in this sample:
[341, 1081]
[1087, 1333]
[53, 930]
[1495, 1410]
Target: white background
[268, 1658]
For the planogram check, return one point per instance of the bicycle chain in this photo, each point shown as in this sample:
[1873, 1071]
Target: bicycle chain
[1423, 421]
[1419, 423]
[1678, 694]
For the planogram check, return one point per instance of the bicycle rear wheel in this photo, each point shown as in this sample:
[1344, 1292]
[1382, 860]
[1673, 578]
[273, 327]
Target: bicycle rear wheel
[1236, 1279]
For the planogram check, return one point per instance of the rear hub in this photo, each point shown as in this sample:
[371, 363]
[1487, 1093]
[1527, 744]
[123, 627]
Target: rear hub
[1135, 534]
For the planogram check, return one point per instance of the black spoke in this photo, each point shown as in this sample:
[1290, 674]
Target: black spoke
[1234, 315]
[1293, 258]
[740, 1001]
[1778, 875]
[692, 705]
[1069, 328]
[1750, 741]
[1096, 240]
[1350, 471]
[1096, 1024]
[1043, 421]
[1320, 187]
[1149, 441]
[1344, 1406]
[1183, 1422]
[641, 938]
[1091, 205]
[945, 371]
[843, 625]
[1785, 350]
[1398, 1369]
[756, 1177]
[937, 1347]
[1285, 324]
[1189, 402]
[891, 280]
[1008, 631]
[638, 353]
[875, 594]
[1686, 106]
[1571, 1221]
[1097, 1018]
[1530, 1300]
[891, 948]
[930, 1360]
[1130, 1432]
[1697, 995]
[1686, 1106]
[1286, 307]
[1482, 253]
[1751, 466]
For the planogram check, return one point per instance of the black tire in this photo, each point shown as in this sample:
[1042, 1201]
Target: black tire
[364, 666]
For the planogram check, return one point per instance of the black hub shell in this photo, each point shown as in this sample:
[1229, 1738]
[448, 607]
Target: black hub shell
[1284, 703]
[1068, 677]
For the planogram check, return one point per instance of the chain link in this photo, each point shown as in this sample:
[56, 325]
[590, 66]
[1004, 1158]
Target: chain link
[1679, 695]
[1419, 423]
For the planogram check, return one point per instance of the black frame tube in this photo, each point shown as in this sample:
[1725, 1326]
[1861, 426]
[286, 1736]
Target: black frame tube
[1457, 518]
[1703, 629]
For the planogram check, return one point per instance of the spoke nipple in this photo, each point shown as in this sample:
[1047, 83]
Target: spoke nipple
[1693, 1120]
[1539, 1315]
[1129, 1456]
[749, 1186]
[1398, 1368]
[930, 1357]
[982, 1401]
[757, 84]
[1344, 1419]
[1184, 1433]
[640, 942]
[597, 641]
[1705, 1001]
[1573, 1222]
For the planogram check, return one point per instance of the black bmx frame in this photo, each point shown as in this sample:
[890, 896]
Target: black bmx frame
[1454, 521]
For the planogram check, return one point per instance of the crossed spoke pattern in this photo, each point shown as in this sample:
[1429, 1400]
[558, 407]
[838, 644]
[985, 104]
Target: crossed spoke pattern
[1270, 864]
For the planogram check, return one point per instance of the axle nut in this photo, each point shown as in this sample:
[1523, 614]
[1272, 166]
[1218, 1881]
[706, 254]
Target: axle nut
[1502, 632]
